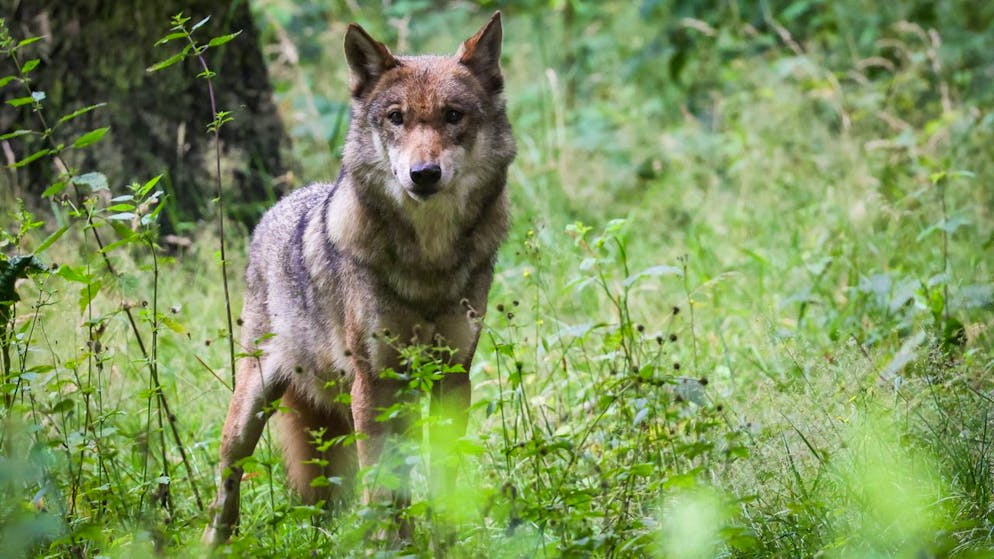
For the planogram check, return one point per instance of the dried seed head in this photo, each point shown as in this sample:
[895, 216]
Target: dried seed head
[703, 381]
[640, 327]
[240, 321]
[659, 340]
[500, 307]
[676, 366]
[676, 310]
[515, 303]
[672, 337]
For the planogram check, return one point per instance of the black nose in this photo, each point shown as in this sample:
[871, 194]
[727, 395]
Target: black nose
[426, 174]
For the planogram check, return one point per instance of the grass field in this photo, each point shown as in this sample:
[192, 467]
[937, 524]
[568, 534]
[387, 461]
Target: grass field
[745, 309]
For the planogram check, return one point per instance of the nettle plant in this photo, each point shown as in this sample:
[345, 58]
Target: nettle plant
[82, 465]
[591, 477]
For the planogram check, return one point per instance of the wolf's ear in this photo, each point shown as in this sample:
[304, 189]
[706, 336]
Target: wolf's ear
[481, 54]
[367, 58]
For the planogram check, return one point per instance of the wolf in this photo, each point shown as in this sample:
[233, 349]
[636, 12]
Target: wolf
[401, 247]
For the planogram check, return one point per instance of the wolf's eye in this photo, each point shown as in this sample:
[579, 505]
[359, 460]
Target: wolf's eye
[453, 116]
[395, 117]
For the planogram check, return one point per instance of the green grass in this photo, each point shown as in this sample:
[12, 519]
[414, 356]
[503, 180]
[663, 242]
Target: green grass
[744, 311]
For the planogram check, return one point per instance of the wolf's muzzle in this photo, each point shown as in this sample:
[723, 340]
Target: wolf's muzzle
[425, 177]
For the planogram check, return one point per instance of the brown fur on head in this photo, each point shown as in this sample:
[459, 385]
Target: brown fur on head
[415, 113]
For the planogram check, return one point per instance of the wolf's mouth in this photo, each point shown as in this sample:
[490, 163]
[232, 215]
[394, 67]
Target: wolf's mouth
[422, 193]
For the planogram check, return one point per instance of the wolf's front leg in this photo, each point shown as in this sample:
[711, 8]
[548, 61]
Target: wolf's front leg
[256, 388]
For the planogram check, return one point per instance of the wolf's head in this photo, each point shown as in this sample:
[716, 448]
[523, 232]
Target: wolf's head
[426, 128]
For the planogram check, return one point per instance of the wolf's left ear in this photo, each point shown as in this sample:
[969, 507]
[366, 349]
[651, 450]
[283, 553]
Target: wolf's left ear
[481, 54]
[368, 59]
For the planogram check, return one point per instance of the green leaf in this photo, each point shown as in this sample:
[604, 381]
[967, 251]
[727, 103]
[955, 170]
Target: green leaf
[69, 273]
[87, 293]
[6, 79]
[26, 42]
[29, 65]
[121, 208]
[170, 37]
[62, 406]
[123, 216]
[91, 137]
[15, 134]
[54, 189]
[50, 240]
[145, 188]
[174, 325]
[167, 62]
[32, 157]
[79, 112]
[218, 41]
[20, 101]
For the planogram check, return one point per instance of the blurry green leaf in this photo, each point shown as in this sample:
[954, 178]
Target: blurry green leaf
[167, 62]
[32, 157]
[174, 325]
[19, 101]
[50, 240]
[29, 65]
[170, 37]
[16, 134]
[120, 208]
[5, 80]
[79, 112]
[218, 41]
[90, 137]
[54, 189]
[62, 406]
[78, 275]
[87, 293]
[149, 185]
[28, 41]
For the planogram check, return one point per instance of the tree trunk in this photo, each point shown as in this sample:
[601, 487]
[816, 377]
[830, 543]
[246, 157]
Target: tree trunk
[97, 51]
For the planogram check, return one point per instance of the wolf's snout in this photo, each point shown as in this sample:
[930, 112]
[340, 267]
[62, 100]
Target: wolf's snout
[425, 177]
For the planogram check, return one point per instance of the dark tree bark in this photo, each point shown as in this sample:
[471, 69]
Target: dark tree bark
[97, 51]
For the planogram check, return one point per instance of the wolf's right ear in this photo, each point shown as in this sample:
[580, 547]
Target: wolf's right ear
[368, 59]
[481, 54]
